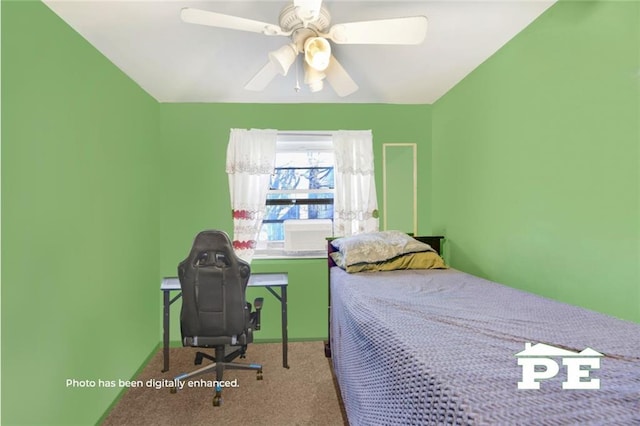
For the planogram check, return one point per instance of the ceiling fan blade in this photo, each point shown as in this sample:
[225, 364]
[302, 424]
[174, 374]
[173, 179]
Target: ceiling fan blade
[220, 20]
[262, 79]
[339, 79]
[410, 30]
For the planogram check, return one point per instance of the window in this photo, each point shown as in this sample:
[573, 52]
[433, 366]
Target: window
[351, 202]
[301, 187]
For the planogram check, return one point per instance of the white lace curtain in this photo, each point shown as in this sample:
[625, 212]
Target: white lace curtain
[250, 162]
[355, 207]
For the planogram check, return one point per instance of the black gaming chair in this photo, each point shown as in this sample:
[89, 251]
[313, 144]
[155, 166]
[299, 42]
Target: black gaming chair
[215, 313]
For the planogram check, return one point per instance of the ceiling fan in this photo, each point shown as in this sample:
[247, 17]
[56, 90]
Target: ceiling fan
[306, 23]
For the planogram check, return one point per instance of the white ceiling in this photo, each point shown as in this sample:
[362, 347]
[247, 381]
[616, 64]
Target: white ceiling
[178, 62]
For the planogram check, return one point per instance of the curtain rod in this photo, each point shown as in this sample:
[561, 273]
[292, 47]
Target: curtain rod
[305, 133]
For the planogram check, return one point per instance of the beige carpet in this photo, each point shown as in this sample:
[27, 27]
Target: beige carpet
[304, 394]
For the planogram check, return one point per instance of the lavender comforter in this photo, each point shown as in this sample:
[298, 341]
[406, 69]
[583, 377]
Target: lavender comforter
[442, 347]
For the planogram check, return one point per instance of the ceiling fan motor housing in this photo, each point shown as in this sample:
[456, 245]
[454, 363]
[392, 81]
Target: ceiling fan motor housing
[290, 21]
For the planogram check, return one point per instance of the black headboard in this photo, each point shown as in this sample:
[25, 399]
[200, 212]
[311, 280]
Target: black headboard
[433, 241]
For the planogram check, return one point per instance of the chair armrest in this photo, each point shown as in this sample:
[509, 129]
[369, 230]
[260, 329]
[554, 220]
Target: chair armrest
[257, 303]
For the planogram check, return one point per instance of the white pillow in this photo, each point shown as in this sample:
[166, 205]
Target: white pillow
[377, 246]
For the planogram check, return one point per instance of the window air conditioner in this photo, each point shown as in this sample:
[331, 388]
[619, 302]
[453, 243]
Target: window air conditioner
[306, 235]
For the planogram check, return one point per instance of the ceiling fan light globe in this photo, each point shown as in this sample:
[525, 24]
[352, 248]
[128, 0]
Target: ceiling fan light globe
[317, 53]
[316, 86]
[313, 78]
[283, 58]
[311, 74]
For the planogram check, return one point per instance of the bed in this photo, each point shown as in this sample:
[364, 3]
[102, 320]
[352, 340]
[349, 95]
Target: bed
[438, 346]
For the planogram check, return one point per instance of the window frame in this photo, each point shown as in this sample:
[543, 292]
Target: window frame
[297, 142]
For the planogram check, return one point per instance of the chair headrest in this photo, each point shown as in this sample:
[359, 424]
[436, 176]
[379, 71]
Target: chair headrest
[214, 247]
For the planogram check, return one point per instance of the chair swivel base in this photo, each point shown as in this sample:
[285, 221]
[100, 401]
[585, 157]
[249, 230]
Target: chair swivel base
[241, 352]
[217, 367]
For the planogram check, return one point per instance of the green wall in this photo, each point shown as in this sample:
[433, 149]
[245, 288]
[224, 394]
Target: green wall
[80, 244]
[535, 160]
[195, 192]
[529, 167]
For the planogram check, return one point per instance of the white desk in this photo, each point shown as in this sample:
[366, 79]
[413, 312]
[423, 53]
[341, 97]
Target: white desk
[266, 280]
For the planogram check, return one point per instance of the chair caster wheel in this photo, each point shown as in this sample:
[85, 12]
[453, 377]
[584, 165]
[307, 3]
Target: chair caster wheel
[259, 375]
[217, 401]
[173, 389]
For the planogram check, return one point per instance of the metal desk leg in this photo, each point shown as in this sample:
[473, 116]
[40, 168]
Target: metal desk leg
[165, 331]
[285, 335]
